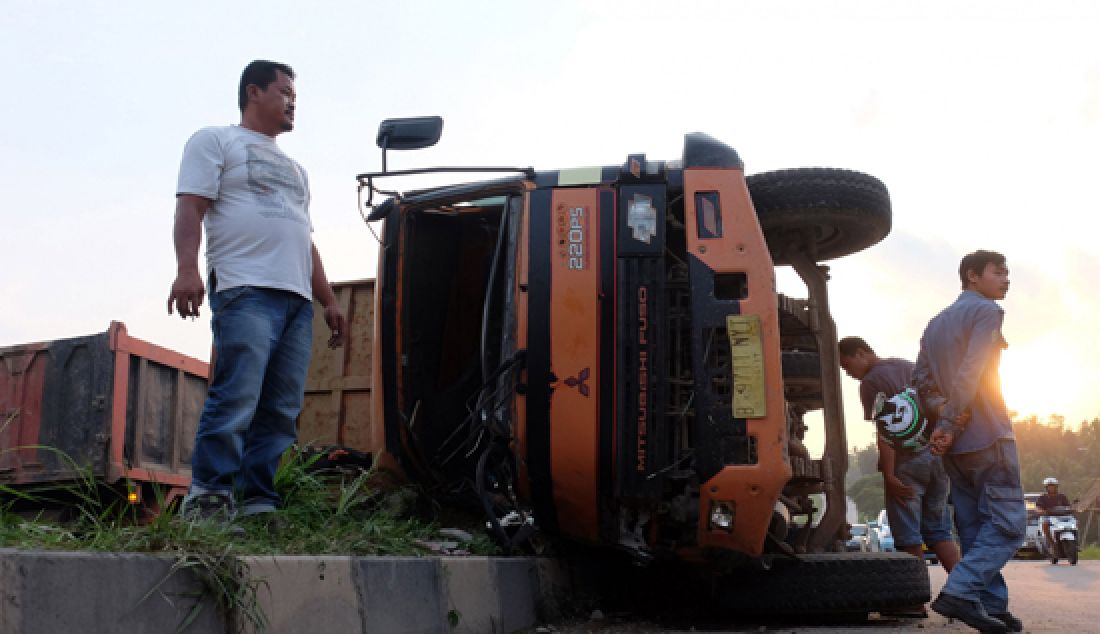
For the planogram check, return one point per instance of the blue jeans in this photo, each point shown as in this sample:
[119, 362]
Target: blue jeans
[991, 519]
[262, 339]
[923, 517]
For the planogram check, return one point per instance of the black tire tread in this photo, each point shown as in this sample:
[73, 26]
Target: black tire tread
[835, 583]
[845, 210]
[801, 364]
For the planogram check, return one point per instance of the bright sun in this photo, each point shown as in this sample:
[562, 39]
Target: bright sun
[1041, 378]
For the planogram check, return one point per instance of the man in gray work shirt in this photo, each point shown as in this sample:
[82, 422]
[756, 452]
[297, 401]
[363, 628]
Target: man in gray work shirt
[959, 360]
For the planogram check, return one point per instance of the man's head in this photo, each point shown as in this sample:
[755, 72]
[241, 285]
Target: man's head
[266, 97]
[1051, 485]
[985, 272]
[856, 357]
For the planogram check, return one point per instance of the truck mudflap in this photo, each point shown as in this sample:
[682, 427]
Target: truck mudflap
[740, 434]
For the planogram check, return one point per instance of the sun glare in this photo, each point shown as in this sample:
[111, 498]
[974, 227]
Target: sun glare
[1041, 378]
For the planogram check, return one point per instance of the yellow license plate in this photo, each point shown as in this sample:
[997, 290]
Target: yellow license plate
[747, 361]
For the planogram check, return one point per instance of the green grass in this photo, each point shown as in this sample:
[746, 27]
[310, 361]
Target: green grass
[324, 513]
[1091, 551]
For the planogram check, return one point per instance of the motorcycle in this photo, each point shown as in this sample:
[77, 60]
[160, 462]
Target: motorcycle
[1063, 535]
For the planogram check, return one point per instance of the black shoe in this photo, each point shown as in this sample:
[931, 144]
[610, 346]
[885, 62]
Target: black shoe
[1012, 623]
[208, 506]
[214, 509]
[970, 612]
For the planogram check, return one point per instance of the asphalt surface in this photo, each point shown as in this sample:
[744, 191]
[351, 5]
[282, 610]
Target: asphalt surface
[1059, 598]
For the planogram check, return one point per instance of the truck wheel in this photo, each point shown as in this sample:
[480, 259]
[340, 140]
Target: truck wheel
[833, 212]
[800, 364]
[829, 585]
[802, 378]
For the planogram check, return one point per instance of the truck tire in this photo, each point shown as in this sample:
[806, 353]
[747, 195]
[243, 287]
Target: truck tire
[799, 364]
[802, 378]
[833, 212]
[835, 584]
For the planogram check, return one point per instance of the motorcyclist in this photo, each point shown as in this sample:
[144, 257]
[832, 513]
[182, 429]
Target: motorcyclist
[1047, 505]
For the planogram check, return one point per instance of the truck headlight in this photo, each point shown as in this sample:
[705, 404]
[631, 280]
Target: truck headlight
[721, 516]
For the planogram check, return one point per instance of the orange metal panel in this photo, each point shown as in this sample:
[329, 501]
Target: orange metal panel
[574, 358]
[753, 489]
[120, 390]
[523, 267]
[376, 437]
[151, 351]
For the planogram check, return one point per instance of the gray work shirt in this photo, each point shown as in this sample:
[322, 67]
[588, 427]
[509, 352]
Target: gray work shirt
[888, 376]
[960, 352]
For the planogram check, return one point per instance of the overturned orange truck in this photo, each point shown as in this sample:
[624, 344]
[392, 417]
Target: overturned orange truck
[601, 354]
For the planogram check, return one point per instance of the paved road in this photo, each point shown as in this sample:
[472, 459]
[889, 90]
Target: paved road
[1047, 598]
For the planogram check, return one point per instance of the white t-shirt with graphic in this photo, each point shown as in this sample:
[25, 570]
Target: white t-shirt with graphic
[258, 226]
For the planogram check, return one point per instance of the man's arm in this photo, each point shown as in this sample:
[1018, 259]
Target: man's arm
[922, 372]
[322, 292]
[985, 337]
[941, 439]
[188, 290]
[984, 340]
[887, 459]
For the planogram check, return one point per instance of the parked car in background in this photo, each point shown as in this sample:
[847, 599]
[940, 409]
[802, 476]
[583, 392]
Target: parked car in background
[859, 541]
[873, 541]
[1032, 544]
[885, 535]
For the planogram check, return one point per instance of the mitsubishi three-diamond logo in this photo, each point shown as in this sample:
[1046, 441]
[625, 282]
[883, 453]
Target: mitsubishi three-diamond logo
[580, 382]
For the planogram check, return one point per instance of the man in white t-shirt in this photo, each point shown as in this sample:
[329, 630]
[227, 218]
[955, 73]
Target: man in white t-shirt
[263, 271]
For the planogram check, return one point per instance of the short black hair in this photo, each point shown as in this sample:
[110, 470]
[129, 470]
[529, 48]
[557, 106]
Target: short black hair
[260, 72]
[849, 346]
[977, 262]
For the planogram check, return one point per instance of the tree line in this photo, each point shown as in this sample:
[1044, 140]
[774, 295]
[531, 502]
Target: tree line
[1047, 448]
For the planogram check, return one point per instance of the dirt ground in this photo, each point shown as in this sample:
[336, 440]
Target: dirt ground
[1046, 598]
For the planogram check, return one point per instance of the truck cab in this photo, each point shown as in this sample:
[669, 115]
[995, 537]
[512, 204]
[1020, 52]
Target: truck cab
[600, 353]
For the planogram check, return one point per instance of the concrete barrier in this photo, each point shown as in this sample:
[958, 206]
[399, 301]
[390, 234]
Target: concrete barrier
[53, 592]
[93, 593]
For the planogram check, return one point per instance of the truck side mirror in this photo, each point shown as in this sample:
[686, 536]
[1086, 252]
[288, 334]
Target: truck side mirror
[412, 133]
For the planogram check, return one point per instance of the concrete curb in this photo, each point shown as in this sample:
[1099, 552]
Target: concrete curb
[48, 592]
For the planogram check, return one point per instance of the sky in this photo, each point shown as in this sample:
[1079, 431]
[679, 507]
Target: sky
[982, 118]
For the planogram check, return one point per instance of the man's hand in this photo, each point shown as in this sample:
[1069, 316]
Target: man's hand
[941, 441]
[187, 293]
[322, 292]
[896, 488]
[336, 322]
